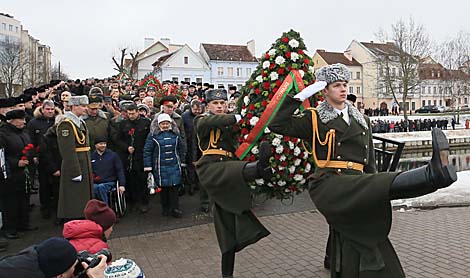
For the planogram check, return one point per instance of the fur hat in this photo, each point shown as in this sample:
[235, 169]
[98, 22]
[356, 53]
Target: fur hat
[219, 94]
[78, 100]
[15, 114]
[333, 73]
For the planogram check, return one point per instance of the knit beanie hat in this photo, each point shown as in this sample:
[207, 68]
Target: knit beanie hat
[55, 256]
[99, 212]
[163, 117]
[123, 268]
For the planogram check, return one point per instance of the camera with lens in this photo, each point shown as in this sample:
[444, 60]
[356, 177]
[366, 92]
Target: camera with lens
[91, 260]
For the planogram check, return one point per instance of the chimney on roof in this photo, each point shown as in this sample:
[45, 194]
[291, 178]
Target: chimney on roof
[348, 55]
[148, 42]
[251, 47]
[165, 41]
[371, 41]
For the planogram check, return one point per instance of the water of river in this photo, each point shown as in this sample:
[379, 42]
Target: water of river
[460, 158]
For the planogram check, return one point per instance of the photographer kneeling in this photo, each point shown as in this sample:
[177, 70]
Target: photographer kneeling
[54, 257]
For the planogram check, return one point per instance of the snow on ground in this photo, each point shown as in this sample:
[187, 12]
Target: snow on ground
[456, 194]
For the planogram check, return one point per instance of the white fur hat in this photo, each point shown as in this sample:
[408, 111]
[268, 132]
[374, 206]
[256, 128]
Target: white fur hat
[78, 100]
[163, 117]
[333, 73]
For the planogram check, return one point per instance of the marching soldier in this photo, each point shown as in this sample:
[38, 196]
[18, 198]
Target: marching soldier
[345, 187]
[76, 185]
[224, 177]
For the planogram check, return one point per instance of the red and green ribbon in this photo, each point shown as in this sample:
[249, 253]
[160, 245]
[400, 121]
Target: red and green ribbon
[292, 81]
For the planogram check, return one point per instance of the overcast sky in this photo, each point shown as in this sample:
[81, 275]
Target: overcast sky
[83, 35]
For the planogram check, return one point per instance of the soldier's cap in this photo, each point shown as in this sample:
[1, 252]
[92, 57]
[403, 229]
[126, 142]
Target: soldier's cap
[23, 99]
[41, 89]
[7, 102]
[54, 82]
[143, 107]
[107, 99]
[211, 86]
[206, 84]
[95, 91]
[141, 89]
[234, 88]
[31, 91]
[333, 73]
[351, 98]
[168, 100]
[236, 94]
[135, 97]
[151, 88]
[123, 104]
[184, 87]
[191, 86]
[95, 101]
[15, 114]
[219, 94]
[78, 100]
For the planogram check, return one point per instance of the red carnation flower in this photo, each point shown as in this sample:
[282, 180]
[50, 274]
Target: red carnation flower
[257, 91]
[306, 61]
[285, 40]
[272, 66]
[249, 116]
[288, 54]
[286, 138]
[266, 85]
[275, 89]
[291, 176]
[24, 151]
[292, 188]
[252, 107]
[289, 68]
[284, 163]
[264, 103]
[277, 156]
[30, 146]
[24, 158]
[263, 73]
[244, 131]
[300, 51]
[266, 56]
[280, 71]
[295, 140]
[270, 96]
[278, 83]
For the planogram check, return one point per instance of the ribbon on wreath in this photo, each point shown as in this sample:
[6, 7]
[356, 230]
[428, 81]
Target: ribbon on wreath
[292, 81]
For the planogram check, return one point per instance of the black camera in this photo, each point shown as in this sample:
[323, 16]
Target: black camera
[91, 260]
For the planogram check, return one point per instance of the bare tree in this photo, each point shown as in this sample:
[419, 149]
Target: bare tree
[126, 65]
[58, 73]
[12, 68]
[454, 55]
[406, 44]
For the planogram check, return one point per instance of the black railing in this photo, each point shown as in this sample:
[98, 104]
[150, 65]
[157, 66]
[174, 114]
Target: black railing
[387, 160]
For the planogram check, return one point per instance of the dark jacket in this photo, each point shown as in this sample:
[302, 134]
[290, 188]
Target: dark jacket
[38, 126]
[49, 153]
[141, 128]
[163, 152]
[179, 123]
[107, 167]
[14, 141]
[191, 144]
[24, 264]
[97, 126]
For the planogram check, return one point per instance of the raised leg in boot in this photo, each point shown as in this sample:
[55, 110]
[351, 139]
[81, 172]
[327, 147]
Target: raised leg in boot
[259, 169]
[435, 175]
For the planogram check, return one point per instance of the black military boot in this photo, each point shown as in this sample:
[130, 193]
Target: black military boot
[228, 264]
[259, 169]
[427, 179]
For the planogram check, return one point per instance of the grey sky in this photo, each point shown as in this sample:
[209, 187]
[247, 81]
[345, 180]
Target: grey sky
[85, 34]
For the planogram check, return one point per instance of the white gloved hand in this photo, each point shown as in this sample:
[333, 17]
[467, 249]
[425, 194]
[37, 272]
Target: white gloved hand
[311, 90]
[79, 178]
[238, 117]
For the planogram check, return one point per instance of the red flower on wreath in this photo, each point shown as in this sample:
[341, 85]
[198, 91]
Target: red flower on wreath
[264, 103]
[300, 51]
[266, 85]
[278, 83]
[244, 131]
[266, 56]
[131, 131]
[288, 54]
[252, 107]
[285, 39]
[257, 91]
[306, 61]
[271, 66]
[281, 71]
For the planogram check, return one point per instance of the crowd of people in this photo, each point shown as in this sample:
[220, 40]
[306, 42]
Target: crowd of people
[385, 126]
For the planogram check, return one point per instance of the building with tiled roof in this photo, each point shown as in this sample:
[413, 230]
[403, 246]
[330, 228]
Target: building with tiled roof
[231, 65]
[322, 58]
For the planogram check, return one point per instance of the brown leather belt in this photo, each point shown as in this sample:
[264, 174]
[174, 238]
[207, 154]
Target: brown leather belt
[343, 165]
[82, 149]
[217, 152]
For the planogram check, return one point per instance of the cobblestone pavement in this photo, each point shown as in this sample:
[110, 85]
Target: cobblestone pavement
[433, 243]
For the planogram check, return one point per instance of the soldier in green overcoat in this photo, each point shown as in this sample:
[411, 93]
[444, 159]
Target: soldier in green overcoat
[76, 185]
[354, 199]
[224, 177]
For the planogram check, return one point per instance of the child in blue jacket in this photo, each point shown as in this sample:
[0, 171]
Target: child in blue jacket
[162, 155]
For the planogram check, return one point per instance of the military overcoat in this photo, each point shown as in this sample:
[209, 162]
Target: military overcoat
[222, 176]
[74, 145]
[355, 204]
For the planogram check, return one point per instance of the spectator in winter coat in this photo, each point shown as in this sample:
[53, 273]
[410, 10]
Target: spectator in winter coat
[107, 170]
[162, 155]
[92, 233]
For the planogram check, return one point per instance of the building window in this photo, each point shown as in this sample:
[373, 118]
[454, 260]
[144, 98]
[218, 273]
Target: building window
[429, 102]
[16, 29]
[435, 102]
[351, 90]
[220, 71]
[248, 72]
[434, 90]
[10, 27]
[230, 71]
[358, 75]
[187, 79]
[465, 101]
[174, 79]
[432, 74]
[239, 72]
[198, 79]
[358, 90]
[4, 26]
[186, 60]
[429, 90]
[413, 105]
[440, 102]
[424, 103]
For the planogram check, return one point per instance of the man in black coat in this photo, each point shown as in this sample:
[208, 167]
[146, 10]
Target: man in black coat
[13, 191]
[132, 133]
